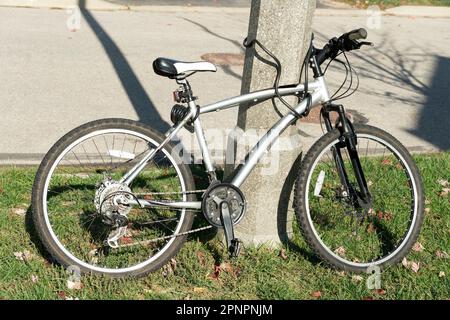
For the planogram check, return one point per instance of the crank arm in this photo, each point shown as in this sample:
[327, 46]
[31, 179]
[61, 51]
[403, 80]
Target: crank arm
[234, 245]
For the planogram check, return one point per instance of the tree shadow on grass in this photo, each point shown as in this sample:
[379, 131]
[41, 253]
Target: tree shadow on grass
[30, 228]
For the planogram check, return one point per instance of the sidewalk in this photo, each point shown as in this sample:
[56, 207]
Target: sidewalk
[329, 8]
[54, 79]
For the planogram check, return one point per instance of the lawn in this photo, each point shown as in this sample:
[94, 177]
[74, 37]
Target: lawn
[202, 270]
[385, 4]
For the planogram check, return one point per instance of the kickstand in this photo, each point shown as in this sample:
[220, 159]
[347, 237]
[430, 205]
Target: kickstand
[234, 245]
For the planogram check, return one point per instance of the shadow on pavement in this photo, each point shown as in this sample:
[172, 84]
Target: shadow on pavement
[434, 122]
[136, 93]
[225, 68]
[398, 68]
[401, 68]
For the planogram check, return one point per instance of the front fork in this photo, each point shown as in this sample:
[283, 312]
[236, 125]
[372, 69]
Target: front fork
[348, 137]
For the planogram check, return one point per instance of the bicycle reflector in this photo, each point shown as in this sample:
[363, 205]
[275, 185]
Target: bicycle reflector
[177, 96]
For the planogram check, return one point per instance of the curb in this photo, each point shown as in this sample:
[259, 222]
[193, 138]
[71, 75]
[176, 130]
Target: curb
[419, 11]
[62, 4]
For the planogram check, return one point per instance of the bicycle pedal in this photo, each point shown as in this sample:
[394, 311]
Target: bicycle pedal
[235, 248]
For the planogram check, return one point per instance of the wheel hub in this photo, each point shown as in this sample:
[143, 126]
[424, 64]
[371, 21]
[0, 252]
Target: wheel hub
[111, 201]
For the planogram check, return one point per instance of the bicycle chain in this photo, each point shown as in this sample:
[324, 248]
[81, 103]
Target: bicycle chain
[146, 242]
[159, 193]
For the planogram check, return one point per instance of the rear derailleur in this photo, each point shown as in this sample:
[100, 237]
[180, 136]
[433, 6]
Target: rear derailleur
[111, 201]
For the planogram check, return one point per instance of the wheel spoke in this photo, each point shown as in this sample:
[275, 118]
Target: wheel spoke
[348, 232]
[77, 188]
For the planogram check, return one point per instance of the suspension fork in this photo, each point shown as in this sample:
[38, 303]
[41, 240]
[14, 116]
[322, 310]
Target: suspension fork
[348, 137]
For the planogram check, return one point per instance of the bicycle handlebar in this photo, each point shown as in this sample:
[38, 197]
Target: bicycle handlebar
[346, 42]
[355, 34]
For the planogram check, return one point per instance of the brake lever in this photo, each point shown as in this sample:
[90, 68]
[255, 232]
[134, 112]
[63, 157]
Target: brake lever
[366, 43]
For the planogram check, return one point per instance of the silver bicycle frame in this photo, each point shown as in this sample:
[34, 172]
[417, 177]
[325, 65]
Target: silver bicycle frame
[319, 94]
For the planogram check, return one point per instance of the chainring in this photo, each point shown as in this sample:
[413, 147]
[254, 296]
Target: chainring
[223, 192]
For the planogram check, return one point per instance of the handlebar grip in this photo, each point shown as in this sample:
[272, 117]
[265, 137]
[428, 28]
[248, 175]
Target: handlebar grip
[357, 34]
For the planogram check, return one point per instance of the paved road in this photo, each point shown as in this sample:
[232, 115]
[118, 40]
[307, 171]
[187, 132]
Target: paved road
[52, 79]
[212, 3]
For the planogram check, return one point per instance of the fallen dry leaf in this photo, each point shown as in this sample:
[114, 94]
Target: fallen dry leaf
[173, 263]
[226, 266]
[201, 258]
[316, 294]
[405, 263]
[19, 211]
[169, 267]
[418, 247]
[283, 254]
[386, 162]
[427, 210]
[357, 278]
[371, 228]
[24, 256]
[215, 275]
[442, 254]
[74, 285]
[62, 295]
[379, 292]
[384, 215]
[415, 266]
[441, 274]
[200, 290]
[340, 251]
[443, 182]
[368, 298]
[126, 240]
[444, 192]
[237, 272]
[388, 216]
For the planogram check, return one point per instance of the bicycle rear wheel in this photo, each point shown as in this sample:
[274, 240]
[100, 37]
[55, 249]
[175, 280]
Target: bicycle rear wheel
[75, 209]
[336, 227]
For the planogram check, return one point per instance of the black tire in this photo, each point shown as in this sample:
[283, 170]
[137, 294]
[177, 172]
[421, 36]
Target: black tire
[38, 192]
[300, 204]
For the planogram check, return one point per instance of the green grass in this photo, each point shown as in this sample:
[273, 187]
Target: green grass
[384, 4]
[259, 273]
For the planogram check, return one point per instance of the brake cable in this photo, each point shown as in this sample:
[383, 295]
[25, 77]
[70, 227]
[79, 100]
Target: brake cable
[278, 68]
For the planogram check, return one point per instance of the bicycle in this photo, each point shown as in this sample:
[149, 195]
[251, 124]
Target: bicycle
[115, 197]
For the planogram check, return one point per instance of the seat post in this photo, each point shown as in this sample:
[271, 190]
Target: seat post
[187, 94]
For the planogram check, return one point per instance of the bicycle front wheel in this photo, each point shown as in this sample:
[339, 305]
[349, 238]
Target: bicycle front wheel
[75, 194]
[336, 227]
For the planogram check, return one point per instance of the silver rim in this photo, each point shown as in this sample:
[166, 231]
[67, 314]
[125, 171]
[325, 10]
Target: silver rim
[416, 204]
[55, 238]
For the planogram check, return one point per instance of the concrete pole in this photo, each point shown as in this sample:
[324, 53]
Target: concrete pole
[284, 27]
